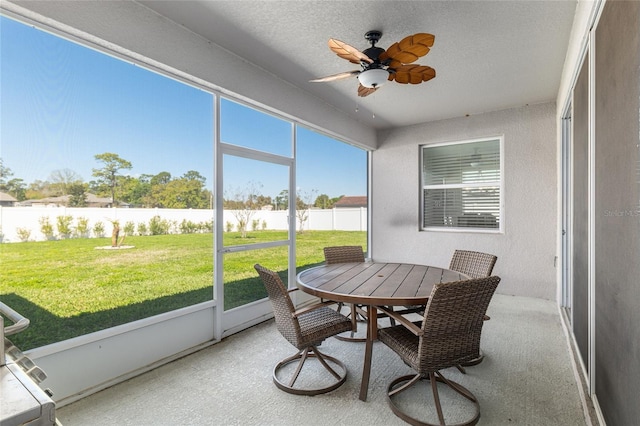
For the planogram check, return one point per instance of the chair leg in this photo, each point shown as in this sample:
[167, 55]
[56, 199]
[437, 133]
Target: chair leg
[302, 356]
[355, 314]
[410, 383]
[406, 382]
[436, 397]
[321, 357]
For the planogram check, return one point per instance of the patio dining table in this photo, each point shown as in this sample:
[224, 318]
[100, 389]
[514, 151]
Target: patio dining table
[373, 284]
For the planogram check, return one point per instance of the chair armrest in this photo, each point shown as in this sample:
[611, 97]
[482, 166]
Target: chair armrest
[402, 320]
[308, 308]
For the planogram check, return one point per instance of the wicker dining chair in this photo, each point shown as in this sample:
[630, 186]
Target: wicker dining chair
[347, 254]
[305, 329]
[476, 265]
[343, 254]
[448, 336]
[473, 263]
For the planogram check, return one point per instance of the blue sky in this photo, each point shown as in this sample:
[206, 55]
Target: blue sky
[62, 103]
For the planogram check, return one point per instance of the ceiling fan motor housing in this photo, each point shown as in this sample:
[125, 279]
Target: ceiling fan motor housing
[374, 54]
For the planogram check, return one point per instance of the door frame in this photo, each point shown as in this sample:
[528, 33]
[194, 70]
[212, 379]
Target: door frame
[239, 318]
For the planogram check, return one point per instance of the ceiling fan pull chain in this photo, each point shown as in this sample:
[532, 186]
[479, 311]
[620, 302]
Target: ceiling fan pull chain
[373, 111]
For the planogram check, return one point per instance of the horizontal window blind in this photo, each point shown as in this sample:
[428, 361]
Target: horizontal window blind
[461, 185]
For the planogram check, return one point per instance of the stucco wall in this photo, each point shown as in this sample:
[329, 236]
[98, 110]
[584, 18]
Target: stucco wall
[526, 249]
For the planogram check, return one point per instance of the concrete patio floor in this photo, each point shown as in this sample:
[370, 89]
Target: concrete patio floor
[526, 378]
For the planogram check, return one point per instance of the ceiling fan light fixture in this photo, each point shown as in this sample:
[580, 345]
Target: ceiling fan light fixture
[373, 78]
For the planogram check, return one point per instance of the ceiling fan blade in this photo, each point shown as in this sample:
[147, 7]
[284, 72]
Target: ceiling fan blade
[335, 77]
[365, 91]
[409, 49]
[348, 52]
[412, 74]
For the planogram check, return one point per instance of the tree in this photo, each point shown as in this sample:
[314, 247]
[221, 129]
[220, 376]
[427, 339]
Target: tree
[192, 175]
[282, 200]
[135, 191]
[323, 202]
[244, 204]
[183, 194]
[77, 195]
[263, 201]
[108, 174]
[157, 187]
[196, 196]
[38, 189]
[5, 173]
[161, 178]
[61, 181]
[17, 188]
[303, 205]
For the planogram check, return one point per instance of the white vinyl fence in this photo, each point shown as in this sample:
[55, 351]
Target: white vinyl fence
[17, 222]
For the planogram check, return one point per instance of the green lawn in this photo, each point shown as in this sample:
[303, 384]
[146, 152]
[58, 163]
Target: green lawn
[68, 288]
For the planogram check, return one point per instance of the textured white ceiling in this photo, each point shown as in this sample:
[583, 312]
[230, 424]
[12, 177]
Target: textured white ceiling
[488, 55]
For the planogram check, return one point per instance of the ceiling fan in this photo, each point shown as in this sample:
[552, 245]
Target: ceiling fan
[379, 65]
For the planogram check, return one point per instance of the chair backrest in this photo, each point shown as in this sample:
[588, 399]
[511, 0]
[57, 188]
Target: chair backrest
[473, 263]
[283, 308]
[343, 254]
[453, 322]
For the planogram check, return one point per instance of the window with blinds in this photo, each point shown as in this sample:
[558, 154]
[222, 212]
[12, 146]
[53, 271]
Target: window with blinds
[462, 185]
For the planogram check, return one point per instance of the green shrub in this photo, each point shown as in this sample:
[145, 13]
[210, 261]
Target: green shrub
[63, 223]
[228, 227]
[206, 226]
[46, 228]
[264, 225]
[129, 228]
[188, 227]
[82, 227]
[142, 228]
[24, 234]
[159, 226]
[254, 224]
[98, 230]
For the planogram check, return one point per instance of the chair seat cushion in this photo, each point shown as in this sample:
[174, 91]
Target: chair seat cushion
[319, 324]
[403, 342]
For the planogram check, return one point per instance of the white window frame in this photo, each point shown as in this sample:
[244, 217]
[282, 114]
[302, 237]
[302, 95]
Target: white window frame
[500, 186]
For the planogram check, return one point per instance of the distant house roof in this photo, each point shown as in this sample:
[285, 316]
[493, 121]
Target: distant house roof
[351, 201]
[6, 199]
[63, 200]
